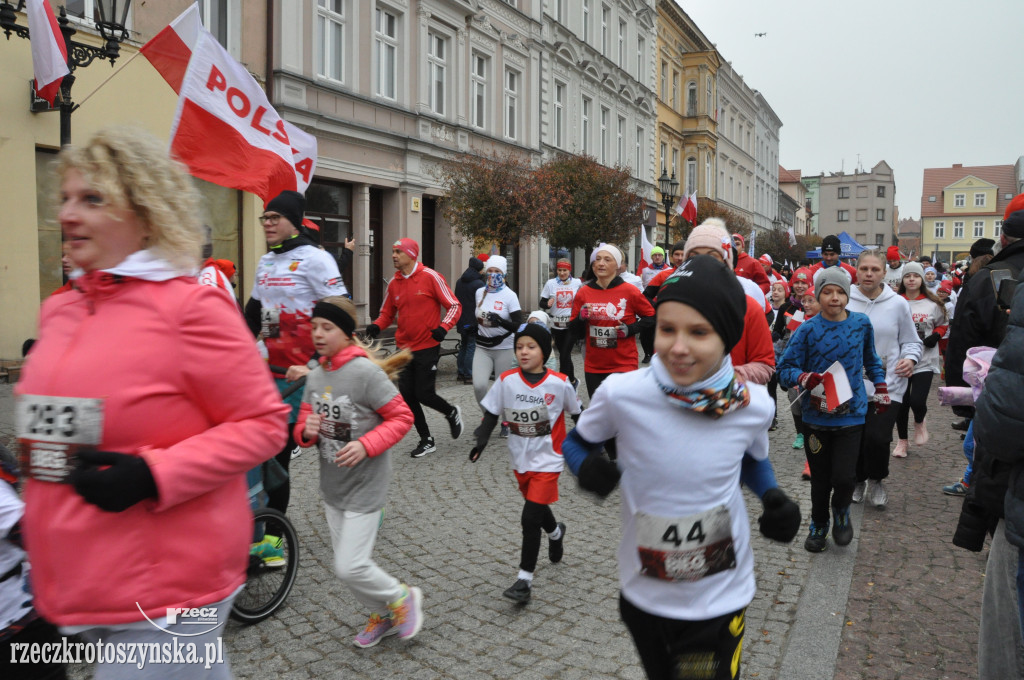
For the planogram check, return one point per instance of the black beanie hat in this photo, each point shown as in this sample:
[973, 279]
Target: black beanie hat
[1013, 225]
[831, 244]
[710, 287]
[983, 246]
[539, 333]
[475, 263]
[291, 204]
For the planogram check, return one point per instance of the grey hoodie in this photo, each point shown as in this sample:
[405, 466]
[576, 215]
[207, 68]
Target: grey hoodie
[895, 334]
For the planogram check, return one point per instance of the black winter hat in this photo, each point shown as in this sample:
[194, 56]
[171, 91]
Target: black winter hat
[983, 246]
[1013, 225]
[831, 244]
[476, 264]
[291, 204]
[539, 333]
[710, 287]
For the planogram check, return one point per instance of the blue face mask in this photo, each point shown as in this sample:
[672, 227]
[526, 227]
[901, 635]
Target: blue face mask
[495, 280]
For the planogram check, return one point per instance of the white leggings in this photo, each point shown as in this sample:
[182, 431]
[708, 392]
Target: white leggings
[353, 535]
[484, 360]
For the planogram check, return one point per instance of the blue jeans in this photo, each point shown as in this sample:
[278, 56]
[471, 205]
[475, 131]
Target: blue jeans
[969, 452]
[467, 348]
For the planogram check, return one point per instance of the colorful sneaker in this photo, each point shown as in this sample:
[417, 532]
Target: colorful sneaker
[817, 539]
[798, 443]
[555, 547]
[958, 489]
[901, 449]
[519, 591]
[842, 528]
[878, 495]
[275, 541]
[806, 474]
[271, 555]
[858, 491]
[407, 612]
[423, 448]
[377, 628]
[455, 422]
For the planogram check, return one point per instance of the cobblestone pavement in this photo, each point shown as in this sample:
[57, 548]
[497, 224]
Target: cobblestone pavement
[452, 529]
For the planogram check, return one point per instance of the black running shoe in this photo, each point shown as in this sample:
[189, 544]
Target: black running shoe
[519, 591]
[455, 422]
[423, 448]
[555, 547]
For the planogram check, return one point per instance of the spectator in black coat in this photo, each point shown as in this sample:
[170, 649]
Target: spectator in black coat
[465, 291]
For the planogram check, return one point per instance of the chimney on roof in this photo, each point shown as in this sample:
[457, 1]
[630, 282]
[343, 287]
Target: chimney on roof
[958, 165]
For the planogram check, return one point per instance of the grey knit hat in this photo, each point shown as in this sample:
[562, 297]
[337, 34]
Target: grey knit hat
[831, 276]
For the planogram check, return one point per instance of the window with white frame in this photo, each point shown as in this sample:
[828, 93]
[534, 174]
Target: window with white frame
[707, 175]
[998, 229]
[638, 169]
[880, 214]
[641, 58]
[213, 13]
[606, 19]
[605, 132]
[585, 125]
[386, 53]
[958, 230]
[478, 90]
[940, 230]
[664, 81]
[843, 216]
[959, 200]
[330, 43]
[674, 169]
[843, 192]
[559, 113]
[512, 87]
[437, 72]
[586, 21]
[880, 191]
[559, 9]
[979, 200]
[664, 155]
[620, 142]
[622, 44]
[675, 90]
[979, 228]
[691, 99]
[691, 175]
[739, 194]
[710, 102]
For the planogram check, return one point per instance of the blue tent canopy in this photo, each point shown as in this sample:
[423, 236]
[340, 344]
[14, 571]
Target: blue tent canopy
[850, 247]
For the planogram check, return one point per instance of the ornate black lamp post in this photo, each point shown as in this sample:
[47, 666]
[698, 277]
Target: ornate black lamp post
[668, 186]
[112, 17]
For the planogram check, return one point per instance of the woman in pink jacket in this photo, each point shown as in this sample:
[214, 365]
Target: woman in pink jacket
[142, 405]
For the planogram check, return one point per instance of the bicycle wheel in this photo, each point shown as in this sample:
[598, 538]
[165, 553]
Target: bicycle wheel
[267, 587]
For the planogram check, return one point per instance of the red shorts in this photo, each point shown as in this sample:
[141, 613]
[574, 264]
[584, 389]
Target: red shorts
[539, 487]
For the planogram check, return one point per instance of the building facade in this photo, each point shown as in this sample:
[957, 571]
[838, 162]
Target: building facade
[766, 139]
[961, 204]
[860, 203]
[793, 188]
[737, 144]
[812, 204]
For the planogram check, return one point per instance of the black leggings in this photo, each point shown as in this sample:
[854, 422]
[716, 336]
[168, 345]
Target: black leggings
[916, 399]
[594, 381]
[773, 390]
[563, 343]
[536, 516]
[873, 462]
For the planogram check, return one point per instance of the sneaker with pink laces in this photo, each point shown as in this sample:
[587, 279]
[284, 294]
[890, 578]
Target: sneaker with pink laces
[901, 449]
[407, 612]
[377, 628]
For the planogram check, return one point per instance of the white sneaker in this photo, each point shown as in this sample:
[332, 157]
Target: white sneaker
[901, 449]
[858, 491]
[878, 495]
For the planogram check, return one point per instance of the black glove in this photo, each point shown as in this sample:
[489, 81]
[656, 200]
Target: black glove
[439, 333]
[599, 475]
[776, 336]
[118, 487]
[932, 340]
[474, 453]
[781, 517]
[372, 331]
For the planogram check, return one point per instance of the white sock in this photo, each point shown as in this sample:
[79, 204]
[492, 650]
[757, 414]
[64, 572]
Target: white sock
[526, 576]
[556, 534]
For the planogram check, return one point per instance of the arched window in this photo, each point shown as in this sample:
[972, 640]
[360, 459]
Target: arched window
[691, 175]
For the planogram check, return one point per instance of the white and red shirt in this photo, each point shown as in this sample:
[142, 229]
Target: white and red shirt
[535, 415]
[211, 275]
[503, 303]
[561, 293]
[287, 286]
[608, 308]
[928, 318]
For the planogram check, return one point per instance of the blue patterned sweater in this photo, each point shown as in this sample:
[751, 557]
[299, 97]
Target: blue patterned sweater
[815, 345]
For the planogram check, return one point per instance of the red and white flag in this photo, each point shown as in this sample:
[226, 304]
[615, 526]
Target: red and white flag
[680, 205]
[795, 319]
[837, 386]
[49, 53]
[645, 251]
[690, 211]
[225, 129]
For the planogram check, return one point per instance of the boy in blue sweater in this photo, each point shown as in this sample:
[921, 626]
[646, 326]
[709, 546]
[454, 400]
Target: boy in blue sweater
[833, 437]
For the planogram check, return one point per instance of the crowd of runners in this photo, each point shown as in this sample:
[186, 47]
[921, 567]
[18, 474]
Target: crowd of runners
[119, 465]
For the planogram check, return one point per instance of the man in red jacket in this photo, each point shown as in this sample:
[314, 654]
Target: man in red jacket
[416, 296]
[748, 267]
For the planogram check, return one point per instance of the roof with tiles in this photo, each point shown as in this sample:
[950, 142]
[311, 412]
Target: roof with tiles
[788, 175]
[937, 179]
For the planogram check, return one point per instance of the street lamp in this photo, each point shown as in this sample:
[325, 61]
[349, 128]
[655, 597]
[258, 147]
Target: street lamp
[112, 17]
[668, 186]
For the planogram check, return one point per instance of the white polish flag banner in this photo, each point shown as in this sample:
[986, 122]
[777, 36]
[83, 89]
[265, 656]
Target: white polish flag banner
[49, 54]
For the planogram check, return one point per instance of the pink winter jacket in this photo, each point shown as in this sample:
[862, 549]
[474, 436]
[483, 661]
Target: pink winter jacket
[183, 386]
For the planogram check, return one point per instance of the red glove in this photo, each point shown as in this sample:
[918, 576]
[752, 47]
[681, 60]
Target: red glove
[881, 398]
[622, 331]
[585, 312]
[809, 381]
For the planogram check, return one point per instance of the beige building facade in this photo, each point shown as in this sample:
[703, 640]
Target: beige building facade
[860, 203]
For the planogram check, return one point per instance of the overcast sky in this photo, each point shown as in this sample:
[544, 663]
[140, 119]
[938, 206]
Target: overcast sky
[917, 83]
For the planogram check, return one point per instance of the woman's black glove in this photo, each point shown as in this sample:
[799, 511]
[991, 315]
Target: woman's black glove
[371, 331]
[932, 340]
[598, 474]
[126, 481]
[439, 333]
[781, 517]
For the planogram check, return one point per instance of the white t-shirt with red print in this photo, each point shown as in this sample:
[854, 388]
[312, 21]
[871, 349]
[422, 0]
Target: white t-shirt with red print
[503, 303]
[561, 294]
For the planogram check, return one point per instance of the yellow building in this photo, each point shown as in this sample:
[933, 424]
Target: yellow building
[960, 205]
[687, 66]
[129, 93]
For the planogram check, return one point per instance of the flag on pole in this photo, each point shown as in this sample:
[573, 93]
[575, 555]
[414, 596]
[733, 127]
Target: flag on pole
[792, 236]
[680, 205]
[49, 53]
[837, 386]
[645, 251]
[794, 320]
[225, 129]
[689, 212]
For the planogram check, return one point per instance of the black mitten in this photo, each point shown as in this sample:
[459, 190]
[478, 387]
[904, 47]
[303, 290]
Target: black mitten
[439, 333]
[124, 481]
[598, 474]
[371, 331]
[932, 340]
[781, 517]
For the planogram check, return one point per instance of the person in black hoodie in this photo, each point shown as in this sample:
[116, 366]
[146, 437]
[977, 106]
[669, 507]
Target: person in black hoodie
[465, 291]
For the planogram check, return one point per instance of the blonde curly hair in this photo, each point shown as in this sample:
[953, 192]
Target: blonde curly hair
[132, 170]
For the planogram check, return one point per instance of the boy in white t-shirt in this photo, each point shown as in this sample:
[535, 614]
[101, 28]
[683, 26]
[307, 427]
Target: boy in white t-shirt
[532, 399]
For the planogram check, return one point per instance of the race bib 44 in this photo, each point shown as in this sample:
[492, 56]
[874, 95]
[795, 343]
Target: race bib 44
[685, 548]
[51, 432]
